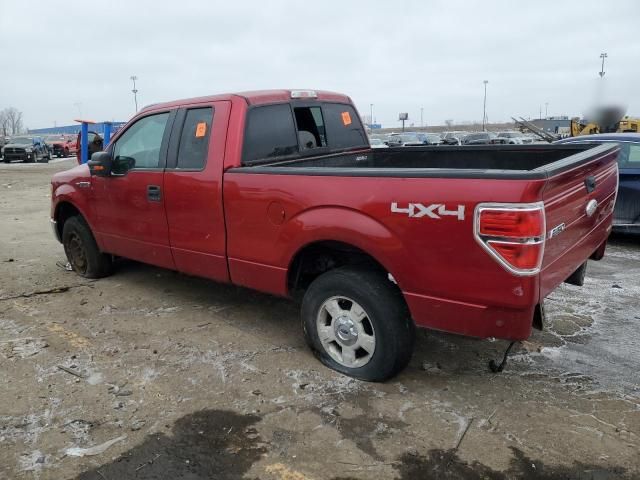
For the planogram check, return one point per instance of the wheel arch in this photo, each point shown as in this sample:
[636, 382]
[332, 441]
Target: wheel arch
[356, 239]
[64, 210]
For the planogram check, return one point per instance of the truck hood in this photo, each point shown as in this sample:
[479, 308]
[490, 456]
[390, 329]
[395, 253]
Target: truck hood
[18, 145]
[77, 173]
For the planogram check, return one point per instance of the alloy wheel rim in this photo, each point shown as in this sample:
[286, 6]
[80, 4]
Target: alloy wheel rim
[346, 332]
[77, 255]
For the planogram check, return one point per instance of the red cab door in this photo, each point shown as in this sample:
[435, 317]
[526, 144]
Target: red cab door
[132, 222]
[193, 190]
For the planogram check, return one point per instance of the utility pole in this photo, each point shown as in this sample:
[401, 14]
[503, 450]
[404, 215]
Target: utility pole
[371, 112]
[135, 91]
[602, 56]
[546, 109]
[421, 112]
[540, 116]
[484, 107]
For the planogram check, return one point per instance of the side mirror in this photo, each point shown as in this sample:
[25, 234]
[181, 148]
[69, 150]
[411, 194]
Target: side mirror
[100, 164]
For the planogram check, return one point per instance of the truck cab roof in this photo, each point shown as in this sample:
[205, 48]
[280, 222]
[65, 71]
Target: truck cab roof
[257, 97]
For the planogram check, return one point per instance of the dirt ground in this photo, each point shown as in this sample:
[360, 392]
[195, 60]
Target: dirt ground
[169, 376]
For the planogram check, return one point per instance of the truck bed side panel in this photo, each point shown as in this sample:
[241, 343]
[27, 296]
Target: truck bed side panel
[434, 258]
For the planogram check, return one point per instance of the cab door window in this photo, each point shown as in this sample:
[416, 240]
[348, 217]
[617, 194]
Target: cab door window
[139, 146]
[194, 141]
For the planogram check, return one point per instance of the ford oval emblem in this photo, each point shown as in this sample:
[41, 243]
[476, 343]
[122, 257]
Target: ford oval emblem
[591, 208]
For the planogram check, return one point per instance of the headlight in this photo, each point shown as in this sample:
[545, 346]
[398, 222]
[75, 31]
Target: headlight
[28, 150]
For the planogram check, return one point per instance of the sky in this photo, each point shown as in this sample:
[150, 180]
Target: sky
[64, 60]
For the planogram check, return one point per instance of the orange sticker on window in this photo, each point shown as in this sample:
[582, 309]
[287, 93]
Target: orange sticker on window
[201, 129]
[346, 118]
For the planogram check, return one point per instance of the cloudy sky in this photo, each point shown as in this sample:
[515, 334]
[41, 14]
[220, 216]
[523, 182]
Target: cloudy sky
[63, 59]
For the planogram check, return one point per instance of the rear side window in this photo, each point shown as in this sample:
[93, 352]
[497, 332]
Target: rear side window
[270, 133]
[344, 129]
[194, 141]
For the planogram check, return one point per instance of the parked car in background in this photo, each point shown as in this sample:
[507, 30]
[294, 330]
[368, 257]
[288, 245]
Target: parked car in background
[483, 138]
[431, 138]
[25, 148]
[95, 144]
[377, 143]
[515, 138]
[412, 139]
[453, 138]
[626, 216]
[61, 145]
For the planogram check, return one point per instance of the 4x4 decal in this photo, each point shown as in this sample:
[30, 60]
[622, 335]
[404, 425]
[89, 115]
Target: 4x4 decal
[435, 210]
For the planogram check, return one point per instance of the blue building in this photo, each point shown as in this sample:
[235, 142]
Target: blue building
[74, 129]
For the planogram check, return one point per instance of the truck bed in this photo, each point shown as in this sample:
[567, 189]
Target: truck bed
[490, 161]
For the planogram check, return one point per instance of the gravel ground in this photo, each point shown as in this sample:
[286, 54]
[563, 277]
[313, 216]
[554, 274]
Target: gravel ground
[153, 374]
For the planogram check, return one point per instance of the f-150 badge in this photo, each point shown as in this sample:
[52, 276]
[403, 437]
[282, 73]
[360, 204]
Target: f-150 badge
[435, 210]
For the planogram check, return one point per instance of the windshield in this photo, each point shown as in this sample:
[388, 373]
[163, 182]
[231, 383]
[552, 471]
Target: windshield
[375, 141]
[509, 135]
[22, 140]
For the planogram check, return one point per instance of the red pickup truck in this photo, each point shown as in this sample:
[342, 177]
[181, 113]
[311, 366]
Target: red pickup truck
[279, 191]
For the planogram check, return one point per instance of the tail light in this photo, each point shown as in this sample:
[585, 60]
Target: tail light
[513, 234]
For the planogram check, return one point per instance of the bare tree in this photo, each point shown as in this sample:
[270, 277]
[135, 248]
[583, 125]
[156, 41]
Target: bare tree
[448, 123]
[14, 117]
[4, 123]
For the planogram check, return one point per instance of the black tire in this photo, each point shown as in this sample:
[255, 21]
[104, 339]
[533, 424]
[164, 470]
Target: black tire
[384, 308]
[82, 251]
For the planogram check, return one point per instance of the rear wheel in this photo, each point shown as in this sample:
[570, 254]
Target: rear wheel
[357, 323]
[82, 251]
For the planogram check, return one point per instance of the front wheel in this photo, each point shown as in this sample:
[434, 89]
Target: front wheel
[82, 251]
[356, 322]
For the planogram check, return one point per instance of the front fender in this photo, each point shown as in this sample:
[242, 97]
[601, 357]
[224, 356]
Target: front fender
[341, 224]
[67, 193]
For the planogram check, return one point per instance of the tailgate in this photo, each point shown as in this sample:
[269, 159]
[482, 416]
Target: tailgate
[579, 202]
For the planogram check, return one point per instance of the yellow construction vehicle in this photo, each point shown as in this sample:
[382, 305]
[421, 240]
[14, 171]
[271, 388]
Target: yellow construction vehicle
[605, 120]
[628, 124]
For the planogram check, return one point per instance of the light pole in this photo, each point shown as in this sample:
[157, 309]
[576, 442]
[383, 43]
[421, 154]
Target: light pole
[421, 112]
[135, 91]
[602, 56]
[371, 119]
[546, 109]
[484, 107]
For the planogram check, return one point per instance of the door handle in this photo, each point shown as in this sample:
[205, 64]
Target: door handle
[153, 193]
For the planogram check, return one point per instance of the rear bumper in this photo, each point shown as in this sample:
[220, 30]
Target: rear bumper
[630, 228]
[469, 319]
